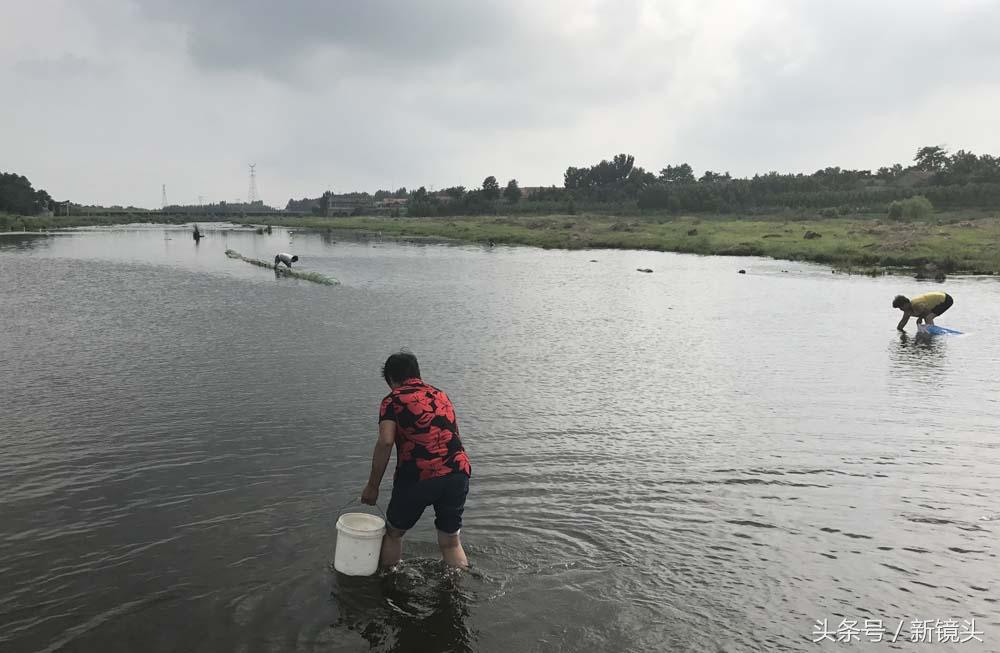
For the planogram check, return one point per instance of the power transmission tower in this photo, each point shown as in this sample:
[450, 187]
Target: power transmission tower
[252, 193]
[163, 199]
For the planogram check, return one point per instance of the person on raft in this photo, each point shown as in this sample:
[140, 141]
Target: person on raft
[432, 467]
[284, 258]
[924, 307]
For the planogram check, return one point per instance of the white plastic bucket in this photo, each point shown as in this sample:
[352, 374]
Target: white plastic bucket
[359, 542]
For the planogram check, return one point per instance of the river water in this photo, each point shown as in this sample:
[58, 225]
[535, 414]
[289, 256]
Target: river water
[692, 459]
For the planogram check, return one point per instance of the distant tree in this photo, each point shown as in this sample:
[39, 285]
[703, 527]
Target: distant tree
[622, 164]
[931, 158]
[608, 181]
[613, 173]
[682, 174]
[889, 173]
[512, 193]
[455, 192]
[711, 177]
[491, 189]
[43, 202]
[576, 178]
[964, 164]
[638, 179]
[400, 193]
[989, 167]
[419, 195]
[965, 167]
[18, 197]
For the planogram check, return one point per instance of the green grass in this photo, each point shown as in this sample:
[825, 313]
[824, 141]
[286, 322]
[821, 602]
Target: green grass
[959, 243]
[315, 277]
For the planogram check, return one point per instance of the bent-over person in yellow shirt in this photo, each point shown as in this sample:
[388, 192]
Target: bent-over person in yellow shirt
[924, 307]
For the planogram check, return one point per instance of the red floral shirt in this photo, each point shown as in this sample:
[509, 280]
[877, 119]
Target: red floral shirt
[427, 442]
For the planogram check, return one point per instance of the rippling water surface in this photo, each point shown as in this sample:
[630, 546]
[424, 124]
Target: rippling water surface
[686, 460]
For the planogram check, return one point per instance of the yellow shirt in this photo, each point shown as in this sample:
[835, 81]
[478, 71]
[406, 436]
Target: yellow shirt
[922, 305]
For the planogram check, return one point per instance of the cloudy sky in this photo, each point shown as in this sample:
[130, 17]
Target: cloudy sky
[105, 100]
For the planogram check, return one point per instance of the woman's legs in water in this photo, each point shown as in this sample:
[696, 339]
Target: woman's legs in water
[392, 547]
[452, 551]
[450, 544]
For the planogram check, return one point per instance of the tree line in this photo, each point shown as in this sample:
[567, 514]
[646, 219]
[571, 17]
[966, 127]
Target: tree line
[956, 180]
[18, 197]
[959, 180]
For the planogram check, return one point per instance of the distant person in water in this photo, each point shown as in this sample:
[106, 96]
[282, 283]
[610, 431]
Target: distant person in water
[924, 307]
[284, 258]
[432, 467]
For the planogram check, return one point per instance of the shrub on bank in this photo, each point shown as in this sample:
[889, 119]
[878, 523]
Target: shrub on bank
[912, 208]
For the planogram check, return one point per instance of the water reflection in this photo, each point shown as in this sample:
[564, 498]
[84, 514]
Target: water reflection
[419, 606]
[23, 241]
[922, 348]
[919, 357]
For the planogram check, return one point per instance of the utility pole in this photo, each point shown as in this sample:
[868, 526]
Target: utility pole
[252, 191]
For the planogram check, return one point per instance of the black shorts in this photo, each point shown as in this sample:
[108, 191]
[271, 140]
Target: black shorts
[446, 493]
[943, 306]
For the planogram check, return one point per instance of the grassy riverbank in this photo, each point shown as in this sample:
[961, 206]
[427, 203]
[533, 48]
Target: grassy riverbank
[953, 243]
[960, 242]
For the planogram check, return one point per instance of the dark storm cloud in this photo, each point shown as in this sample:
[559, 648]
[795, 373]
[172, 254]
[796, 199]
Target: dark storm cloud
[463, 65]
[514, 46]
[262, 35]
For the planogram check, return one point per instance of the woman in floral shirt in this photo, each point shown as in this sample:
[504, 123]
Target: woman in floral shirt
[432, 467]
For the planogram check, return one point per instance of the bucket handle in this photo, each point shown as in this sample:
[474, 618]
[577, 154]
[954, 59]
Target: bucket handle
[356, 502]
